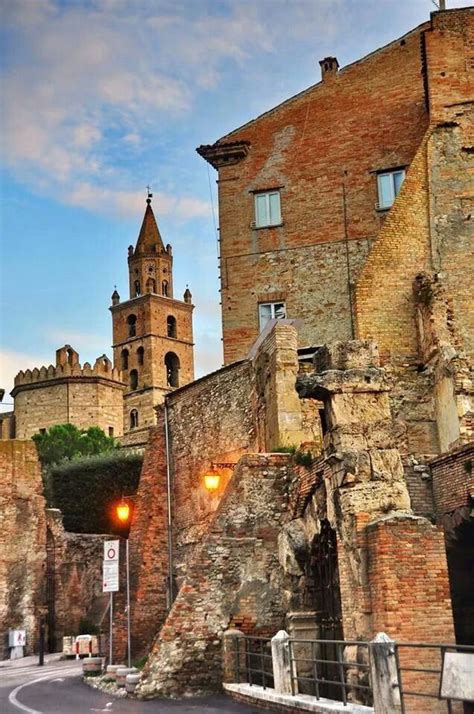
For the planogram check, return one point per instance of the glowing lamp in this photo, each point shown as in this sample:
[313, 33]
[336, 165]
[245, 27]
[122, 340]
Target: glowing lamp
[212, 481]
[123, 511]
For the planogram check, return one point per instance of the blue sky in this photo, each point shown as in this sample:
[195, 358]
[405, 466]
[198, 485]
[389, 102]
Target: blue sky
[101, 98]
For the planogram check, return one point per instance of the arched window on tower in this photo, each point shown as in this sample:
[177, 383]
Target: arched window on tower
[172, 369]
[132, 325]
[136, 288]
[151, 285]
[124, 359]
[140, 356]
[134, 379]
[70, 356]
[164, 288]
[171, 326]
[133, 419]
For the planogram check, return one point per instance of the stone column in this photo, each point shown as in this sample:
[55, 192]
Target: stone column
[383, 668]
[281, 663]
[233, 656]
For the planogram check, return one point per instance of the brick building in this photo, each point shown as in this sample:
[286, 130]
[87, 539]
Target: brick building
[153, 354]
[347, 210]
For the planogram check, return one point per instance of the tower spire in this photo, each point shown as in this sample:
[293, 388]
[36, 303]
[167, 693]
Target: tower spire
[149, 238]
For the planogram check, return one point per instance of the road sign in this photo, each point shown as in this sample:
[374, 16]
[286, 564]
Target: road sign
[110, 578]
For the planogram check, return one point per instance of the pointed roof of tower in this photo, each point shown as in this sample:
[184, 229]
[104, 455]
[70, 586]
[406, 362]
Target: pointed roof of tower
[149, 239]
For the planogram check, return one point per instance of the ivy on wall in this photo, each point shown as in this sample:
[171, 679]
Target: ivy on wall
[87, 490]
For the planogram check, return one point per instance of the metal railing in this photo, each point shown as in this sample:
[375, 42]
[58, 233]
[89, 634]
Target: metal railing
[318, 667]
[322, 669]
[254, 662]
[419, 669]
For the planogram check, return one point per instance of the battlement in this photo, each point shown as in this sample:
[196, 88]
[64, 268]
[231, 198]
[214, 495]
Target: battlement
[68, 366]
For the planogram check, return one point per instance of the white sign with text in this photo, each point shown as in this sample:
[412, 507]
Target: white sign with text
[110, 578]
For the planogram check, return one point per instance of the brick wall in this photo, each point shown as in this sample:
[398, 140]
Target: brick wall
[22, 542]
[453, 479]
[299, 147]
[235, 575]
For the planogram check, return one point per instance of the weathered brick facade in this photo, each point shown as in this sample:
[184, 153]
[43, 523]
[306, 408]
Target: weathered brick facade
[22, 542]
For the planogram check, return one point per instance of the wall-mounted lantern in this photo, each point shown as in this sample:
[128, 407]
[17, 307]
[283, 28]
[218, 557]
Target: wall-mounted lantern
[212, 480]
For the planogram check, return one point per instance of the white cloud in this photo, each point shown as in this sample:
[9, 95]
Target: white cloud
[10, 364]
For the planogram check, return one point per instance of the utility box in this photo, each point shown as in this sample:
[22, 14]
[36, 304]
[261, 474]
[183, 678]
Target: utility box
[16, 643]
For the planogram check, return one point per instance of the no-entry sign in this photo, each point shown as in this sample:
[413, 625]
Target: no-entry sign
[110, 579]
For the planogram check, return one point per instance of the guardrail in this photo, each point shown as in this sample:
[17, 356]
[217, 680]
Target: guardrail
[419, 671]
[401, 676]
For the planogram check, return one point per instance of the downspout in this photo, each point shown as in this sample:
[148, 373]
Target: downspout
[170, 521]
[348, 262]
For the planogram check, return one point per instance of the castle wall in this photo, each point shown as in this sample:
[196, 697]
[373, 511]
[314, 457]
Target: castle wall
[22, 542]
[337, 131]
[83, 402]
[74, 572]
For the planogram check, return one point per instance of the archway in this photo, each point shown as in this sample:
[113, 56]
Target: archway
[172, 369]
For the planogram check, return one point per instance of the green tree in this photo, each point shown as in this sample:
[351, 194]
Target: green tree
[65, 442]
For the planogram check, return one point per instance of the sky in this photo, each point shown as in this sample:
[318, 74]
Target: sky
[104, 97]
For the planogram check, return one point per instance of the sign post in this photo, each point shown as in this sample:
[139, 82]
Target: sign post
[110, 580]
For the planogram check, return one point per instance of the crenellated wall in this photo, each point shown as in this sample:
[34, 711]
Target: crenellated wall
[69, 393]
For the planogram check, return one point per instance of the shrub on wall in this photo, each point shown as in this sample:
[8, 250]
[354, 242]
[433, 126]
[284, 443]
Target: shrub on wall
[87, 489]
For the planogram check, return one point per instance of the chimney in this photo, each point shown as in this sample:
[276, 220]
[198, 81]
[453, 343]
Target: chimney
[329, 67]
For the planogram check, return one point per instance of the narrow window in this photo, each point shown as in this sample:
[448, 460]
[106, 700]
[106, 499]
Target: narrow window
[124, 359]
[172, 369]
[389, 184]
[267, 209]
[171, 326]
[42, 431]
[133, 419]
[134, 379]
[140, 356]
[164, 288]
[132, 325]
[270, 311]
[136, 287]
[111, 430]
[151, 285]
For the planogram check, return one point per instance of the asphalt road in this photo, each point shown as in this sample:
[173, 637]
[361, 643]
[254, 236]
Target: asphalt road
[57, 688]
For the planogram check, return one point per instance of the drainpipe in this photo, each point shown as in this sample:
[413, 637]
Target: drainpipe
[170, 521]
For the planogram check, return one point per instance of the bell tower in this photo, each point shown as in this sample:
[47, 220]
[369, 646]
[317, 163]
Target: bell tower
[152, 332]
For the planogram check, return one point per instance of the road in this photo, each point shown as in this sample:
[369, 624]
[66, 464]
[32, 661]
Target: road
[57, 688]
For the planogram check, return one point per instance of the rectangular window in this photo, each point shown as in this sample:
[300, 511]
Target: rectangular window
[389, 184]
[111, 430]
[270, 311]
[267, 209]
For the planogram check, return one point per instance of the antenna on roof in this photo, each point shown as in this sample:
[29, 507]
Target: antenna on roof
[439, 4]
[149, 195]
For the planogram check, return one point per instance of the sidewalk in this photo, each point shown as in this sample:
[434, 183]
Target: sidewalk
[29, 661]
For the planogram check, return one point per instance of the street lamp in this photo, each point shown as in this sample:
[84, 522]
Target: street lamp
[123, 514]
[212, 480]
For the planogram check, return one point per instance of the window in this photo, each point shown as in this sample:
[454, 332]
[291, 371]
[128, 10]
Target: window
[270, 311]
[133, 419]
[111, 430]
[124, 359]
[388, 185]
[164, 288]
[141, 356]
[134, 379]
[136, 287]
[151, 285]
[132, 325]
[267, 209]
[172, 369]
[171, 326]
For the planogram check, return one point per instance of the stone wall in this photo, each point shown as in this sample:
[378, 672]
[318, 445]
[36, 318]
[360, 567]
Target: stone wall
[69, 393]
[212, 423]
[74, 571]
[22, 542]
[234, 575]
